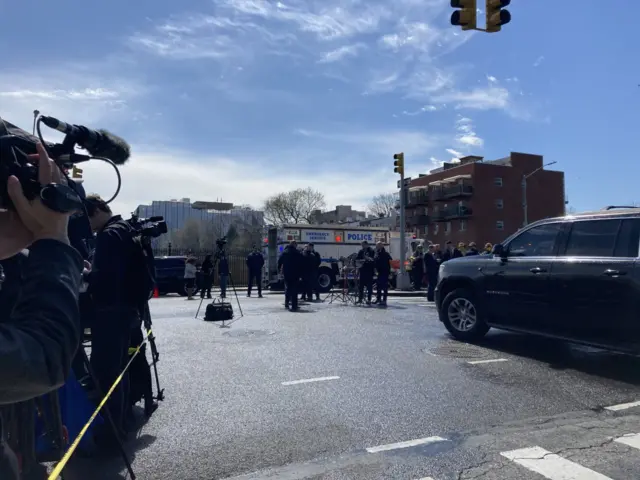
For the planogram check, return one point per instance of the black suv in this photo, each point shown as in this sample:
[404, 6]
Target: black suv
[575, 278]
[170, 275]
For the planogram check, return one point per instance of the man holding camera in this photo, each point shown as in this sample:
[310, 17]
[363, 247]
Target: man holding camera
[41, 334]
[115, 288]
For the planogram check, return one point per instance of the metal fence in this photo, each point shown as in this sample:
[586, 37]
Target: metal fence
[237, 262]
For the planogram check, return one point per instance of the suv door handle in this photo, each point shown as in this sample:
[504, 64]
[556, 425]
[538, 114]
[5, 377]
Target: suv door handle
[538, 270]
[613, 273]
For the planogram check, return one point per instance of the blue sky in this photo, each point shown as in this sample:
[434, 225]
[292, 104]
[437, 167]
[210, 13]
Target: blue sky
[240, 99]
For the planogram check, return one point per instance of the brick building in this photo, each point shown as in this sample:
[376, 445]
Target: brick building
[482, 201]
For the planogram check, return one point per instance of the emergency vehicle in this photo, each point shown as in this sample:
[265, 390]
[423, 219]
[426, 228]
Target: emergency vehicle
[332, 242]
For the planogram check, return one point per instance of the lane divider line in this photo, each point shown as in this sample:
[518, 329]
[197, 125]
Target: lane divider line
[309, 380]
[631, 440]
[407, 444]
[492, 360]
[551, 466]
[622, 406]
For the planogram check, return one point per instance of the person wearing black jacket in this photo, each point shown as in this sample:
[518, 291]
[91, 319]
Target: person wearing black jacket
[417, 268]
[290, 263]
[118, 308]
[366, 256]
[207, 277]
[311, 264]
[431, 267]
[255, 262]
[451, 252]
[41, 334]
[382, 261]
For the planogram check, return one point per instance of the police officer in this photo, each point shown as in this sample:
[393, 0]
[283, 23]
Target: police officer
[255, 262]
[290, 263]
[382, 260]
[311, 262]
[366, 256]
[117, 308]
[40, 336]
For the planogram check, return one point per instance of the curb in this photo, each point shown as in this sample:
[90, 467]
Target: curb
[391, 293]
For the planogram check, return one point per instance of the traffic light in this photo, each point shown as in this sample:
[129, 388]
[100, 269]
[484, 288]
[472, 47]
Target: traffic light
[76, 172]
[496, 16]
[466, 15]
[399, 163]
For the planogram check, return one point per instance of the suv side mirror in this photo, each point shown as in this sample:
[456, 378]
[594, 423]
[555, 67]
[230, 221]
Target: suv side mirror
[498, 249]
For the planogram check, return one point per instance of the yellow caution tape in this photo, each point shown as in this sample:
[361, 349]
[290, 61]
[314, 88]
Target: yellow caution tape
[55, 473]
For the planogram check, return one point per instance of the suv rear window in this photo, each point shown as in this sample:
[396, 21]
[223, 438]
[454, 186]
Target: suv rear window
[604, 238]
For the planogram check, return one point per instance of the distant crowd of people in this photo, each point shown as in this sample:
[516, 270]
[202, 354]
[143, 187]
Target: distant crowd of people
[425, 265]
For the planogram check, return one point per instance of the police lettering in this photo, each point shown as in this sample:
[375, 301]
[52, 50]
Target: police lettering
[360, 237]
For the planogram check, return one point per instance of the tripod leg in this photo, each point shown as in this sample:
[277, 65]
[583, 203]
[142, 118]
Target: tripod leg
[199, 307]
[155, 356]
[236, 294]
[107, 414]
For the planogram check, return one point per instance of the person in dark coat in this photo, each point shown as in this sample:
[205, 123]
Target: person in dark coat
[382, 260]
[223, 274]
[255, 262]
[473, 250]
[290, 263]
[431, 267]
[450, 252]
[207, 277]
[367, 266]
[311, 263]
[417, 268]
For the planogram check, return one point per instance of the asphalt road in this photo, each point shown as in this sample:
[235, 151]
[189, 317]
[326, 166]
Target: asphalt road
[348, 392]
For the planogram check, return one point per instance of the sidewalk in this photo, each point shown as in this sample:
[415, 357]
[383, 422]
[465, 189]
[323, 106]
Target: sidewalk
[392, 293]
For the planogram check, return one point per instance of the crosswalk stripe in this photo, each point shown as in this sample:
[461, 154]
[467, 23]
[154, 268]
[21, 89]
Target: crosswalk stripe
[551, 466]
[631, 440]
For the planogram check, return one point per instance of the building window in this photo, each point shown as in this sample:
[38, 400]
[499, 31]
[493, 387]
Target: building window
[500, 225]
[497, 181]
[499, 204]
[463, 225]
[426, 230]
[447, 228]
[436, 227]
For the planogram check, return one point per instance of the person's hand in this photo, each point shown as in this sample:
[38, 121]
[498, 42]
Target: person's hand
[87, 268]
[37, 221]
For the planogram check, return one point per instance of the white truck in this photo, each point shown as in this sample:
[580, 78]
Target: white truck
[332, 242]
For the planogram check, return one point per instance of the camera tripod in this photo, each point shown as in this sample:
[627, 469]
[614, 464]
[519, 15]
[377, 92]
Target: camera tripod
[345, 295]
[220, 254]
[155, 356]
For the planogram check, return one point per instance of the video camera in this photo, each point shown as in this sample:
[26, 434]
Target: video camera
[151, 227]
[16, 145]
[221, 242]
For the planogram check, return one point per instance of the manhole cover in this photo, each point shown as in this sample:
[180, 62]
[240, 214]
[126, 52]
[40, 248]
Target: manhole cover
[459, 350]
[249, 333]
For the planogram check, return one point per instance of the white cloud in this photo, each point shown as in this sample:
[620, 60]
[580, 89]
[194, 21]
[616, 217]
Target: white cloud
[342, 53]
[538, 61]
[466, 135]
[492, 79]
[453, 152]
[426, 108]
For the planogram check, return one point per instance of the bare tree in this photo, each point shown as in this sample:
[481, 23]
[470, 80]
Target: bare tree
[295, 206]
[383, 205]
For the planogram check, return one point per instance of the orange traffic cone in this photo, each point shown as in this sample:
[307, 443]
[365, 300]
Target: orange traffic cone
[156, 292]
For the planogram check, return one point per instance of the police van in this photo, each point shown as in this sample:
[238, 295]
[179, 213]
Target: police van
[332, 242]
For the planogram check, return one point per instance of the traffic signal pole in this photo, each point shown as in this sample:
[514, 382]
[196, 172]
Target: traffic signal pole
[402, 282]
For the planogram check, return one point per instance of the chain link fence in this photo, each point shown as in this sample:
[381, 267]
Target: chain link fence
[237, 261]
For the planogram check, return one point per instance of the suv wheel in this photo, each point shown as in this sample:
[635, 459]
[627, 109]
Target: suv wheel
[462, 317]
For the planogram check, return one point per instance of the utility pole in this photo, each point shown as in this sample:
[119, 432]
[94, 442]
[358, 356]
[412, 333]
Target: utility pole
[402, 282]
[525, 206]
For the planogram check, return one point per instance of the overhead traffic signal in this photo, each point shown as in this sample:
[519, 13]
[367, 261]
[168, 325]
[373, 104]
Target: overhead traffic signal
[399, 163]
[496, 15]
[76, 172]
[466, 14]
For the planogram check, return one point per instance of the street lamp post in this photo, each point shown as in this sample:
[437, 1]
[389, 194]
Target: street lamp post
[524, 192]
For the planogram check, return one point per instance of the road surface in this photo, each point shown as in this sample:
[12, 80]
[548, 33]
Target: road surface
[349, 392]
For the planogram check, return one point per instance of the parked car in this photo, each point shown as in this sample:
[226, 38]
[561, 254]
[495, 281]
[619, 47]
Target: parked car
[170, 275]
[575, 278]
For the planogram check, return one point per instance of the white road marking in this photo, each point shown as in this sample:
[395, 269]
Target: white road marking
[493, 360]
[622, 406]
[631, 440]
[309, 380]
[425, 478]
[407, 444]
[427, 305]
[551, 466]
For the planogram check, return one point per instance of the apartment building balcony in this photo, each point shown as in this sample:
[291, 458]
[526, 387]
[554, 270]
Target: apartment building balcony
[452, 213]
[418, 220]
[454, 187]
[418, 197]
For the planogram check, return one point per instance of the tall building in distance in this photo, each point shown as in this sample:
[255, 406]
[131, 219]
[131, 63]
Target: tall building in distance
[218, 214]
[340, 214]
[483, 201]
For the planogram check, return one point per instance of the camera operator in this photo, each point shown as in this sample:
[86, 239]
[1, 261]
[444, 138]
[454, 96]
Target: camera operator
[115, 285]
[223, 272]
[255, 262]
[41, 334]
